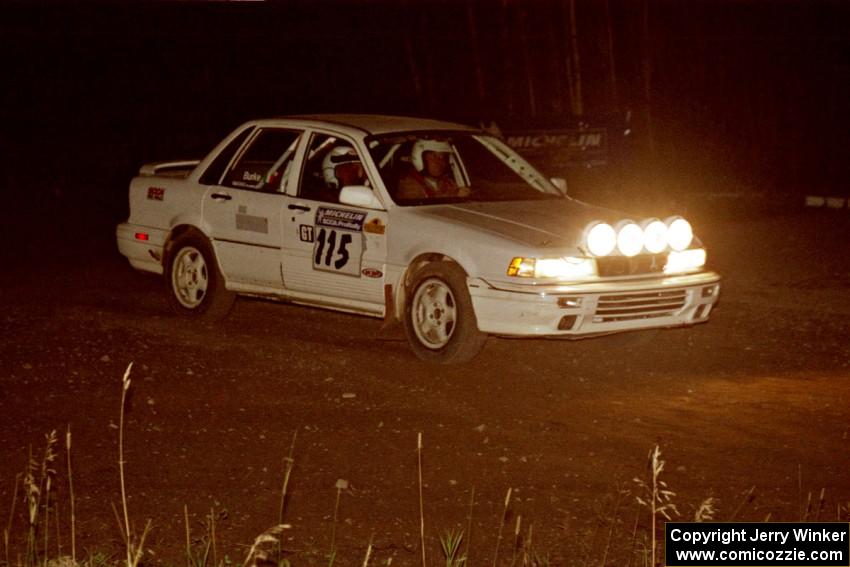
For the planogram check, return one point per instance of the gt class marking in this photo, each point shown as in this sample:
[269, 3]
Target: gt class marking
[305, 232]
[371, 273]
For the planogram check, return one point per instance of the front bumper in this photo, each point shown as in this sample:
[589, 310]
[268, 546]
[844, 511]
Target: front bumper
[595, 307]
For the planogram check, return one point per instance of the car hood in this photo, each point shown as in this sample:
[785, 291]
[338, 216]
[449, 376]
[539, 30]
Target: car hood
[541, 224]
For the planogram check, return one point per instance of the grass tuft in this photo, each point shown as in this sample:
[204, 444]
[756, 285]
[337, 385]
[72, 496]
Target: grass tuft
[657, 498]
[450, 543]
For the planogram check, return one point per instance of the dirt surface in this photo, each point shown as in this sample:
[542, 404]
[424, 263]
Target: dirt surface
[758, 397]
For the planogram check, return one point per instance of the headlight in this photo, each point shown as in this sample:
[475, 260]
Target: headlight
[685, 261]
[654, 236]
[679, 233]
[568, 268]
[629, 238]
[600, 239]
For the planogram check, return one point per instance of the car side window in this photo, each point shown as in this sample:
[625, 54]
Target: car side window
[212, 176]
[264, 164]
[330, 164]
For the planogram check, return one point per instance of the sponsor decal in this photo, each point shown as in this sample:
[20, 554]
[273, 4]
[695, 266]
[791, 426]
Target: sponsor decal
[372, 273]
[375, 226]
[340, 218]
[561, 148]
[305, 232]
[156, 194]
[251, 176]
[572, 139]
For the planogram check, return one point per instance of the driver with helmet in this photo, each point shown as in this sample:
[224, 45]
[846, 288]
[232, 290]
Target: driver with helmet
[341, 167]
[432, 175]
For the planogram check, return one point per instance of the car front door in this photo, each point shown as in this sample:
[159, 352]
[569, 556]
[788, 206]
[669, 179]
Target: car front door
[333, 253]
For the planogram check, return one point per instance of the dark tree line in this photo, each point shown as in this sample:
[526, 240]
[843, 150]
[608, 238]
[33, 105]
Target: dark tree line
[744, 92]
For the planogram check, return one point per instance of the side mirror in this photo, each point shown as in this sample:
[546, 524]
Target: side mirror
[359, 196]
[561, 184]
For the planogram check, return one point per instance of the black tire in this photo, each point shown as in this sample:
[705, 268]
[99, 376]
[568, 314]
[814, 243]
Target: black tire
[439, 320]
[194, 284]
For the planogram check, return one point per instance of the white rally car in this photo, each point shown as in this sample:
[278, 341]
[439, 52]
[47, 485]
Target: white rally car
[268, 213]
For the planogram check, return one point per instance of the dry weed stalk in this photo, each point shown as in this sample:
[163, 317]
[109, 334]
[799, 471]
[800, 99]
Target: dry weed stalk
[288, 464]
[134, 549]
[620, 494]
[37, 483]
[256, 552]
[368, 551]
[821, 503]
[502, 526]
[8, 529]
[212, 536]
[421, 501]
[200, 558]
[469, 520]
[748, 497]
[516, 539]
[71, 492]
[341, 485]
[706, 510]
[658, 497]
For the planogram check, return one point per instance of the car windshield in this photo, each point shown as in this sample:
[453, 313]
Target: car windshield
[427, 168]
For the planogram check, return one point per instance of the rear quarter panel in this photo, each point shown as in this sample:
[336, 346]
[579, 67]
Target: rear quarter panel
[163, 202]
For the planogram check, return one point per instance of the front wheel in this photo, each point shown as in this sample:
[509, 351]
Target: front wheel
[439, 320]
[194, 284]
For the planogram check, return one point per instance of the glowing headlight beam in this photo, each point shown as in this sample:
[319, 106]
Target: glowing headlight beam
[679, 233]
[601, 239]
[629, 238]
[685, 261]
[654, 236]
[566, 268]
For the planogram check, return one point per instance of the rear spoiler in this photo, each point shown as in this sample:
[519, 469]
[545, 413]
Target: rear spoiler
[150, 169]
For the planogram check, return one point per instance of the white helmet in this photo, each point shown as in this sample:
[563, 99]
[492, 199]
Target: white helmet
[335, 157]
[422, 146]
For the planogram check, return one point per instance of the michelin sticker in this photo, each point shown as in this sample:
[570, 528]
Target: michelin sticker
[338, 241]
[339, 218]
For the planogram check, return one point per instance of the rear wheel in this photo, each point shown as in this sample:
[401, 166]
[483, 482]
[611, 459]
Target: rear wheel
[439, 320]
[195, 285]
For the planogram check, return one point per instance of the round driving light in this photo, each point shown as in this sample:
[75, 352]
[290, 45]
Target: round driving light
[679, 233]
[601, 239]
[630, 239]
[654, 236]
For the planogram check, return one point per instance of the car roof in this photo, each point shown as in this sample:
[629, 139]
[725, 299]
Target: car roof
[374, 123]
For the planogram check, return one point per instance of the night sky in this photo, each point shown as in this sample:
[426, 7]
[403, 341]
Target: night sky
[742, 96]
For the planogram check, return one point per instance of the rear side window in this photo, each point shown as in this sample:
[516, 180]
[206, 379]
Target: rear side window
[213, 174]
[264, 164]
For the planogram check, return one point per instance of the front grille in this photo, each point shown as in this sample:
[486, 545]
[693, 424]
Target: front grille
[622, 266]
[641, 305]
